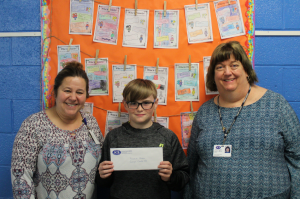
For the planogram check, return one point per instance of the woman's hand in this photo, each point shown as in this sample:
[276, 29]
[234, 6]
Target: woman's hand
[165, 170]
[106, 169]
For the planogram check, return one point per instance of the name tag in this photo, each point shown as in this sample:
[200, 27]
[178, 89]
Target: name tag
[94, 137]
[222, 150]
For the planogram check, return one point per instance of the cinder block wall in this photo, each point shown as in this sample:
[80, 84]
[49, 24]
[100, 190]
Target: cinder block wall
[277, 63]
[277, 59]
[20, 66]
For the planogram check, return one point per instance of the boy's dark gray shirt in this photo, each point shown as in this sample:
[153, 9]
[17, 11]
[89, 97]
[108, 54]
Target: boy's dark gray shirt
[145, 183]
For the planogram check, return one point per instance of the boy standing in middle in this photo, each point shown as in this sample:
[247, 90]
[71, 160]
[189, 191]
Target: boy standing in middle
[140, 100]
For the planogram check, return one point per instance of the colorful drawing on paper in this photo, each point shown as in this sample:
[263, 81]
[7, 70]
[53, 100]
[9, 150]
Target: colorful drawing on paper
[121, 78]
[164, 121]
[46, 41]
[198, 23]
[81, 17]
[66, 54]
[113, 120]
[206, 62]
[166, 29]
[107, 25]
[135, 32]
[98, 76]
[160, 80]
[187, 119]
[187, 82]
[88, 108]
[229, 17]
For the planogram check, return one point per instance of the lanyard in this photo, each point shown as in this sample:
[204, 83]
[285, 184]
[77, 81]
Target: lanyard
[223, 128]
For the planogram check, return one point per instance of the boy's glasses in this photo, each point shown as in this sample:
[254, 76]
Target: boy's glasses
[145, 105]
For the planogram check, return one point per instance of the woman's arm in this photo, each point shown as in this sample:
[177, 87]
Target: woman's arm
[291, 134]
[23, 164]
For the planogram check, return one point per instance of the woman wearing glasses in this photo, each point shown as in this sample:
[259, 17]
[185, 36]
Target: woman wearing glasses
[140, 100]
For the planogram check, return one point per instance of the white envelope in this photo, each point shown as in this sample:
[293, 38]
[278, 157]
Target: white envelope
[136, 158]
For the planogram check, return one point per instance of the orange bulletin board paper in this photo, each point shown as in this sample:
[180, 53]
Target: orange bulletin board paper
[55, 31]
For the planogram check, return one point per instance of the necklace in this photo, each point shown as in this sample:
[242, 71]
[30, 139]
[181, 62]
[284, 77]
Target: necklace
[221, 121]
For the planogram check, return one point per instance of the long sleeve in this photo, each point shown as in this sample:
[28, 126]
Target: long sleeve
[180, 173]
[291, 135]
[105, 157]
[23, 165]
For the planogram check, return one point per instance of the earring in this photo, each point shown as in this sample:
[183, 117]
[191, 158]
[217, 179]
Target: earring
[248, 78]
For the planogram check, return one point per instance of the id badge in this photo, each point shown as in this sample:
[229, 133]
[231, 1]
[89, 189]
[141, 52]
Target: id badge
[94, 137]
[222, 151]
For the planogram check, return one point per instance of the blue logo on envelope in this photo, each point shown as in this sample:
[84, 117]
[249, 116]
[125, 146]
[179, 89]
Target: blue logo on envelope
[116, 152]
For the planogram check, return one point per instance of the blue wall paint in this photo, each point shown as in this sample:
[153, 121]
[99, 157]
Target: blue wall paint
[5, 185]
[277, 64]
[277, 51]
[22, 109]
[268, 15]
[291, 14]
[5, 116]
[20, 82]
[19, 16]
[32, 46]
[20, 67]
[5, 51]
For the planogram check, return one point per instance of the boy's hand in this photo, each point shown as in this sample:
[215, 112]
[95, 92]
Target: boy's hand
[165, 171]
[106, 169]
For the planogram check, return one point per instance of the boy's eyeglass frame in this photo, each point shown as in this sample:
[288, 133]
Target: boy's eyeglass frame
[138, 104]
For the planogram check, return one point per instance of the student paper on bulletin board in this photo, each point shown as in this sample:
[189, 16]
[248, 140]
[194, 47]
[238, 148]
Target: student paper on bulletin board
[56, 32]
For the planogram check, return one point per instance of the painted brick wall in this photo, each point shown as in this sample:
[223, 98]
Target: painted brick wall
[277, 59]
[277, 63]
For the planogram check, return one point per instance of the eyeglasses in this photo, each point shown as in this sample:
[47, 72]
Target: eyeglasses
[145, 105]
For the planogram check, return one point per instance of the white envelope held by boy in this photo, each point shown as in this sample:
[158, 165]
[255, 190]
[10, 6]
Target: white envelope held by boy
[136, 158]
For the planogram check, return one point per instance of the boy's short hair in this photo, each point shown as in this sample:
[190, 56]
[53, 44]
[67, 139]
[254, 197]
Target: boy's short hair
[139, 89]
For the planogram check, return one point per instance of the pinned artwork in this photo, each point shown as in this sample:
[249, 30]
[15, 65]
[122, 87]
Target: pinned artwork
[187, 82]
[107, 25]
[113, 121]
[186, 127]
[198, 23]
[135, 32]
[206, 61]
[166, 29]
[88, 107]
[66, 54]
[81, 17]
[121, 78]
[229, 17]
[98, 76]
[160, 80]
[164, 121]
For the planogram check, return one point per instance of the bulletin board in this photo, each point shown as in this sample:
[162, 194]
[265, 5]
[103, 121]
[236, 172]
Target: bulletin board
[55, 16]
